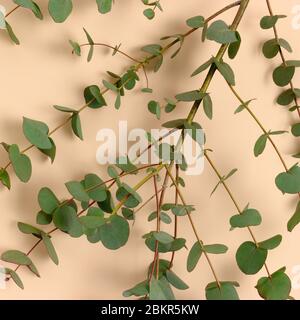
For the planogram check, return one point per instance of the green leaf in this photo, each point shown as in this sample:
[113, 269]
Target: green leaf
[149, 13]
[21, 163]
[17, 280]
[218, 31]
[154, 108]
[250, 258]
[139, 290]
[115, 233]
[289, 182]
[207, 106]
[282, 75]
[163, 237]
[277, 287]
[178, 123]
[295, 219]
[4, 178]
[91, 43]
[43, 218]
[194, 256]
[92, 222]
[128, 195]
[270, 49]
[226, 291]
[175, 281]
[76, 47]
[128, 214]
[126, 165]
[108, 204]
[164, 217]
[296, 130]
[93, 97]
[225, 71]
[268, 22]
[31, 6]
[160, 290]
[203, 67]
[47, 200]
[64, 109]
[50, 248]
[11, 33]
[29, 229]
[76, 125]
[50, 153]
[104, 6]
[37, 133]
[190, 96]
[110, 86]
[95, 187]
[76, 189]
[60, 9]
[154, 49]
[284, 44]
[286, 97]
[65, 219]
[242, 106]
[271, 243]
[260, 145]
[195, 22]
[249, 217]
[234, 47]
[16, 257]
[215, 248]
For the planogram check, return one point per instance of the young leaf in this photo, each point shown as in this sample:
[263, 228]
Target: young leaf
[65, 219]
[93, 97]
[115, 233]
[29, 229]
[194, 256]
[76, 47]
[154, 108]
[4, 178]
[76, 125]
[190, 96]
[11, 33]
[203, 67]
[91, 43]
[129, 196]
[43, 218]
[260, 145]
[17, 280]
[250, 258]
[50, 153]
[139, 290]
[249, 217]
[270, 48]
[218, 31]
[277, 287]
[215, 248]
[60, 9]
[225, 71]
[234, 47]
[227, 291]
[50, 248]
[268, 22]
[271, 243]
[37, 133]
[207, 106]
[195, 22]
[126, 165]
[21, 163]
[149, 13]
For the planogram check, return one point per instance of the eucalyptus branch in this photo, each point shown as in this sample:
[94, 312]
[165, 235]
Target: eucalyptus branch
[282, 55]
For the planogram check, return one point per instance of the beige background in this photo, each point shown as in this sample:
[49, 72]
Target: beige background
[42, 72]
